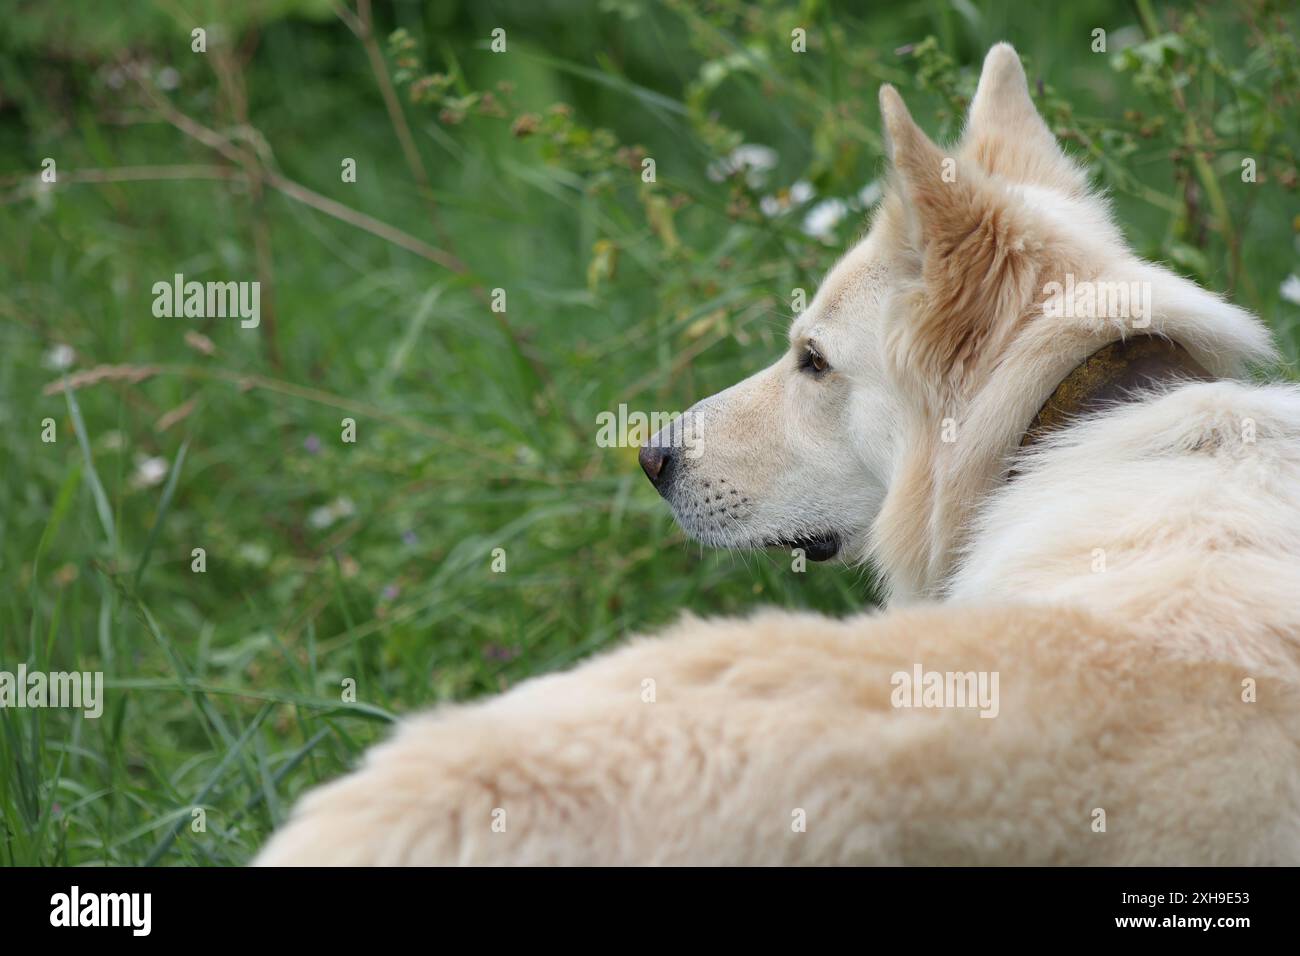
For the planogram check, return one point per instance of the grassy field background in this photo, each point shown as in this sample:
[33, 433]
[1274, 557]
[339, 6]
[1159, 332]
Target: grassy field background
[329, 561]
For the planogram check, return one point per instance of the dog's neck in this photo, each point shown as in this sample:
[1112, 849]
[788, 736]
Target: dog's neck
[918, 535]
[1114, 373]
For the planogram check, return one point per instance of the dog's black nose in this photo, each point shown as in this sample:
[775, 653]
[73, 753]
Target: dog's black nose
[657, 463]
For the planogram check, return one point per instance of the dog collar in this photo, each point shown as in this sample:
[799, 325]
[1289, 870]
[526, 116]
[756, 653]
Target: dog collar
[1113, 374]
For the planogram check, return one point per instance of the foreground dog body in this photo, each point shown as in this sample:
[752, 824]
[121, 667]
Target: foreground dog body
[1130, 581]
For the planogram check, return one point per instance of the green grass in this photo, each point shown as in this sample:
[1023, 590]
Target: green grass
[225, 688]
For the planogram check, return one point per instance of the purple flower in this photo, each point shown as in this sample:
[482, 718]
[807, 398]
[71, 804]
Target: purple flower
[408, 538]
[312, 444]
[391, 591]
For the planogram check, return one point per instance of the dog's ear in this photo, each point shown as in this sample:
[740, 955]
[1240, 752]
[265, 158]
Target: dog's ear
[1006, 135]
[979, 258]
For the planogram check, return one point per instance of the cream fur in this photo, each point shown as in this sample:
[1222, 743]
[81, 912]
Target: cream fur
[1140, 567]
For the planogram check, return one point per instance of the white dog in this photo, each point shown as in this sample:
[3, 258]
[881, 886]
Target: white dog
[1090, 533]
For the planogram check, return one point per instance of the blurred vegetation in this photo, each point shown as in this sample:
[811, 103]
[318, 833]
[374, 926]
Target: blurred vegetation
[477, 170]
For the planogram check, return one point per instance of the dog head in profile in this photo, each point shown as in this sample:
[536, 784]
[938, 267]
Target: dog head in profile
[927, 350]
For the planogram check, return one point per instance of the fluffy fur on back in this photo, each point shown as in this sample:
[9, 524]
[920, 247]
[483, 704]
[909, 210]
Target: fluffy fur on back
[762, 723]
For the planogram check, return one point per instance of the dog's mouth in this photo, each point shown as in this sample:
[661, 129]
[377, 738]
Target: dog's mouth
[818, 547]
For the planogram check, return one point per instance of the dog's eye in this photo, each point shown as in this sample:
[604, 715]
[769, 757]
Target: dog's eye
[813, 361]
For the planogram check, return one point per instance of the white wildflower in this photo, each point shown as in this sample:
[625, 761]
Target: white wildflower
[1290, 289]
[148, 471]
[327, 515]
[822, 219]
[756, 160]
[60, 357]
